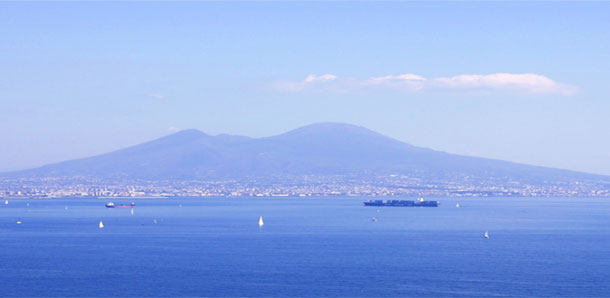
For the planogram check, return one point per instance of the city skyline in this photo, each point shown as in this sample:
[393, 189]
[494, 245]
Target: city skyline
[522, 82]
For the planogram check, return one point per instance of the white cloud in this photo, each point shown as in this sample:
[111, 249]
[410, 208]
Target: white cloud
[408, 81]
[325, 77]
[311, 82]
[173, 129]
[499, 82]
[402, 77]
[528, 82]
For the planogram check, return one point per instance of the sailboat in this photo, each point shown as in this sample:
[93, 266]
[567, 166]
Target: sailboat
[486, 235]
[155, 221]
[260, 222]
[100, 225]
[5, 202]
[457, 205]
[131, 212]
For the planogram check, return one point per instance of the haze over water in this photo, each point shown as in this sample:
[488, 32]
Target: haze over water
[308, 247]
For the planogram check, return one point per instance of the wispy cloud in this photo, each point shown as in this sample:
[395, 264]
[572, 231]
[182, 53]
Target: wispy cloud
[407, 81]
[310, 83]
[172, 129]
[498, 82]
[325, 77]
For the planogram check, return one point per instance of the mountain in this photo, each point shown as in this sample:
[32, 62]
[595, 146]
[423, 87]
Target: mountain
[318, 149]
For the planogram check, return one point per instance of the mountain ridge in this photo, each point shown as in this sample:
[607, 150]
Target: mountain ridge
[317, 149]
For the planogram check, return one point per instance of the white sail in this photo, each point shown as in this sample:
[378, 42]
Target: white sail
[5, 202]
[260, 222]
[486, 235]
[101, 224]
[131, 211]
[457, 205]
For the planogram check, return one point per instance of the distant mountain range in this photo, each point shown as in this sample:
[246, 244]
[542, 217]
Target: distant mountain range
[319, 149]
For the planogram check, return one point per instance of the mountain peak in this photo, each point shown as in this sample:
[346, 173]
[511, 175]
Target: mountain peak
[329, 128]
[186, 135]
[189, 133]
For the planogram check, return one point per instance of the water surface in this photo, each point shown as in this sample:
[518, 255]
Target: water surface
[308, 247]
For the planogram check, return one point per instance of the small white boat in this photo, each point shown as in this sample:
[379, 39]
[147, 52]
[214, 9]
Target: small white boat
[131, 212]
[5, 202]
[486, 235]
[457, 205]
[19, 222]
[155, 221]
[260, 222]
[100, 224]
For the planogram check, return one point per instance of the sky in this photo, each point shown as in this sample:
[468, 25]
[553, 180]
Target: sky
[527, 82]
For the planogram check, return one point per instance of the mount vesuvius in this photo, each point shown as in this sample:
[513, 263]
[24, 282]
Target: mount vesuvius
[319, 149]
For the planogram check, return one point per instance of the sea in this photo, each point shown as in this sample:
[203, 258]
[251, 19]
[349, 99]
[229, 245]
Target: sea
[308, 247]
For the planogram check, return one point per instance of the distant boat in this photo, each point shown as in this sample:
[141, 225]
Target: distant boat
[112, 205]
[457, 205]
[155, 221]
[402, 203]
[19, 221]
[260, 222]
[5, 202]
[486, 235]
[374, 219]
[100, 225]
[131, 212]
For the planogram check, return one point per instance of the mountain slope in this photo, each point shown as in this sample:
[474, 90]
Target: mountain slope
[318, 149]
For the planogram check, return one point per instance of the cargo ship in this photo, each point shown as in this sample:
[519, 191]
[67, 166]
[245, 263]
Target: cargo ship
[112, 205]
[402, 203]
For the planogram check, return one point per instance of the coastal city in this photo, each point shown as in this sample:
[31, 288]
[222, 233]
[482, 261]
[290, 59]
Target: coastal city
[296, 187]
[271, 149]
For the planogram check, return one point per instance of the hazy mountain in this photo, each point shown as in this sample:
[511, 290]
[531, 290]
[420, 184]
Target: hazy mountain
[318, 149]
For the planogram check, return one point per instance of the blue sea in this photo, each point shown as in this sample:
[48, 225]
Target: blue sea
[308, 247]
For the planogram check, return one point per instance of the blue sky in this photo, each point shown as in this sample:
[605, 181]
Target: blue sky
[524, 82]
